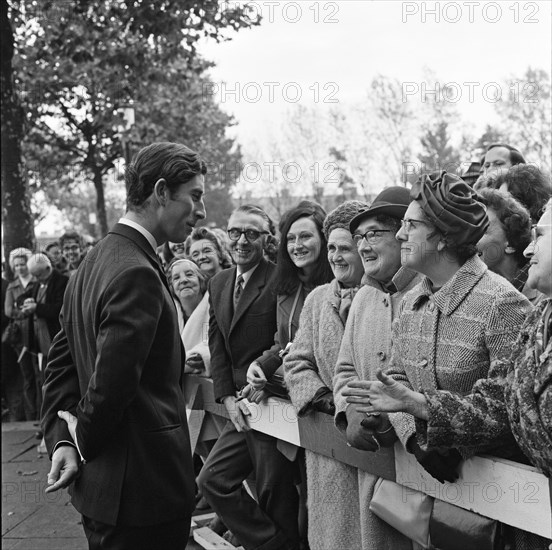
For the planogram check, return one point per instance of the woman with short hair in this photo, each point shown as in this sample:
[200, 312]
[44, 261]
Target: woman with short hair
[205, 248]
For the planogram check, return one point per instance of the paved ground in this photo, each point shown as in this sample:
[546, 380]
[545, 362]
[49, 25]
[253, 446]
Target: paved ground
[31, 519]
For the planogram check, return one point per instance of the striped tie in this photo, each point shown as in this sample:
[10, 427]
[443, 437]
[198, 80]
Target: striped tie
[238, 291]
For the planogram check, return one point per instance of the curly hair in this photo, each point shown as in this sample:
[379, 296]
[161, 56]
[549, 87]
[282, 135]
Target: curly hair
[287, 273]
[200, 275]
[341, 216]
[514, 218]
[526, 183]
[204, 233]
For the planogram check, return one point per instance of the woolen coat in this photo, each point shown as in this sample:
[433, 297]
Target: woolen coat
[366, 347]
[449, 339]
[332, 487]
[117, 365]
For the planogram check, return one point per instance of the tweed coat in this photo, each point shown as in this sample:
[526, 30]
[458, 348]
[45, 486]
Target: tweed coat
[332, 487]
[516, 397]
[366, 346]
[449, 339]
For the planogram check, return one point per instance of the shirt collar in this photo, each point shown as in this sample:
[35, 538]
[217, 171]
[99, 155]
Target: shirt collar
[247, 275]
[150, 238]
[453, 292]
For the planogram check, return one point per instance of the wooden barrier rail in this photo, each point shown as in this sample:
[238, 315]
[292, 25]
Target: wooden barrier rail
[513, 493]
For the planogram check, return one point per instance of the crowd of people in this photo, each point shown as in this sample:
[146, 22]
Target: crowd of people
[423, 317]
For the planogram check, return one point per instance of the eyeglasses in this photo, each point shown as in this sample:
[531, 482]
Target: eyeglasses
[251, 235]
[71, 248]
[534, 235]
[372, 237]
[408, 223]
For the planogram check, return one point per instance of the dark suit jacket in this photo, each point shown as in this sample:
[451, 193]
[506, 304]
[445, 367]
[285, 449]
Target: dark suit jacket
[237, 339]
[117, 365]
[53, 300]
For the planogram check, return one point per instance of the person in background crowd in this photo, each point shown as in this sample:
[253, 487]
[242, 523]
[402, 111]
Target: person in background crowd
[116, 368]
[178, 250]
[499, 157]
[515, 399]
[19, 290]
[189, 286]
[309, 369]
[458, 321]
[205, 248]
[12, 383]
[526, 183]
[472, 174]
[506, 238]
[302, 265]
[366, 344]
[72, 247]
[53, 251]
[241, 326]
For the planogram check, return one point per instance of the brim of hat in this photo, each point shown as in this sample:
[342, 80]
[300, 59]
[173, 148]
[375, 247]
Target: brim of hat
[394, 210]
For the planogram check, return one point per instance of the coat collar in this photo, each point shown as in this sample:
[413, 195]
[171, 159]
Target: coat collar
[449, 297]
[139, 240]
[401, 280]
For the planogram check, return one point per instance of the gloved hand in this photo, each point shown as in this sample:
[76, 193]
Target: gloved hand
[361, 436]
[382, 428]
[323, 401]
[194, 364]
[441, 467]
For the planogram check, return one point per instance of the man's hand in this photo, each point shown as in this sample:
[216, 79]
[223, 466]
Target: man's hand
[237, 410]
[359, 436]
[194, 364]
[256, 377]
[71, 423]
[252, 395]
[65, 468]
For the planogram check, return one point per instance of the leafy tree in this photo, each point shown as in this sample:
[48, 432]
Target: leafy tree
[79, 63]
[16, 209]
[438, 153]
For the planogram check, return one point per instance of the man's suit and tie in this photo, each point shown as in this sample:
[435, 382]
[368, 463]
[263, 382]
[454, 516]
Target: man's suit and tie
[117, 366]
[237, 336]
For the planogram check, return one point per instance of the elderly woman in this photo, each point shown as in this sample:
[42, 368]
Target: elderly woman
[189, 286]
[459, 321]
[508, 235]
[516, 397]
[20, 289]
[205, 248]
[309, 369]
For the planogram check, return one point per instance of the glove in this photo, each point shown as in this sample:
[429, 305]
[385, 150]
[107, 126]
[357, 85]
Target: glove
[382, 428]
[323, 401]
[194, 364]
[360, 436]
[441, 467]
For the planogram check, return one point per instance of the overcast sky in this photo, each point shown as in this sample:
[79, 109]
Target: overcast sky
[336, 48]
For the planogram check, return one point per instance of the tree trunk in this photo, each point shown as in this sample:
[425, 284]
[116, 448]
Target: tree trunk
[100, 202]
[16, 208]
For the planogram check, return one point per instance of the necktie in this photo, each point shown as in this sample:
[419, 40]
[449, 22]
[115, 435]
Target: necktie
[238, 290]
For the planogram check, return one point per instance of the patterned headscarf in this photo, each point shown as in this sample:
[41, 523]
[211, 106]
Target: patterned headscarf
[452, 206]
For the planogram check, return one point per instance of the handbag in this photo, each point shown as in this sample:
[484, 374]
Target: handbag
[12, 333]
[433, 523]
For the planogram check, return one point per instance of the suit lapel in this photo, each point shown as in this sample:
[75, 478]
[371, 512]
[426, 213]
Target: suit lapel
[225, 298]
[250, 292]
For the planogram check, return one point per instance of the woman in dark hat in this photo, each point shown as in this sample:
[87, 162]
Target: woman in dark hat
[458, 321]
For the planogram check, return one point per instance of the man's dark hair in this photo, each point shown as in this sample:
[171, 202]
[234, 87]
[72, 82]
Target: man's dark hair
[254, 209]
[71, 236]
[173, 162]
[287, 273]
[526, 183]
[515, 156]
[514, 218]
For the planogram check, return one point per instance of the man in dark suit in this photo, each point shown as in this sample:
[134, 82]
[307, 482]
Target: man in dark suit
[241, 327]
[112, 392]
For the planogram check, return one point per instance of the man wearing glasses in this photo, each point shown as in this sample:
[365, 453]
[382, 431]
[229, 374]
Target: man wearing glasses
[366, 344]
[241, 327]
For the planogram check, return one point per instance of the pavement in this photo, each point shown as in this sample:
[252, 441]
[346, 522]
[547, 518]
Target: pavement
[32, 519]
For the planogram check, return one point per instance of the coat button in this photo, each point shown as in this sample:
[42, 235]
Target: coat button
[422, 363]
[381, 355]
[386, 302]
[431, 306]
